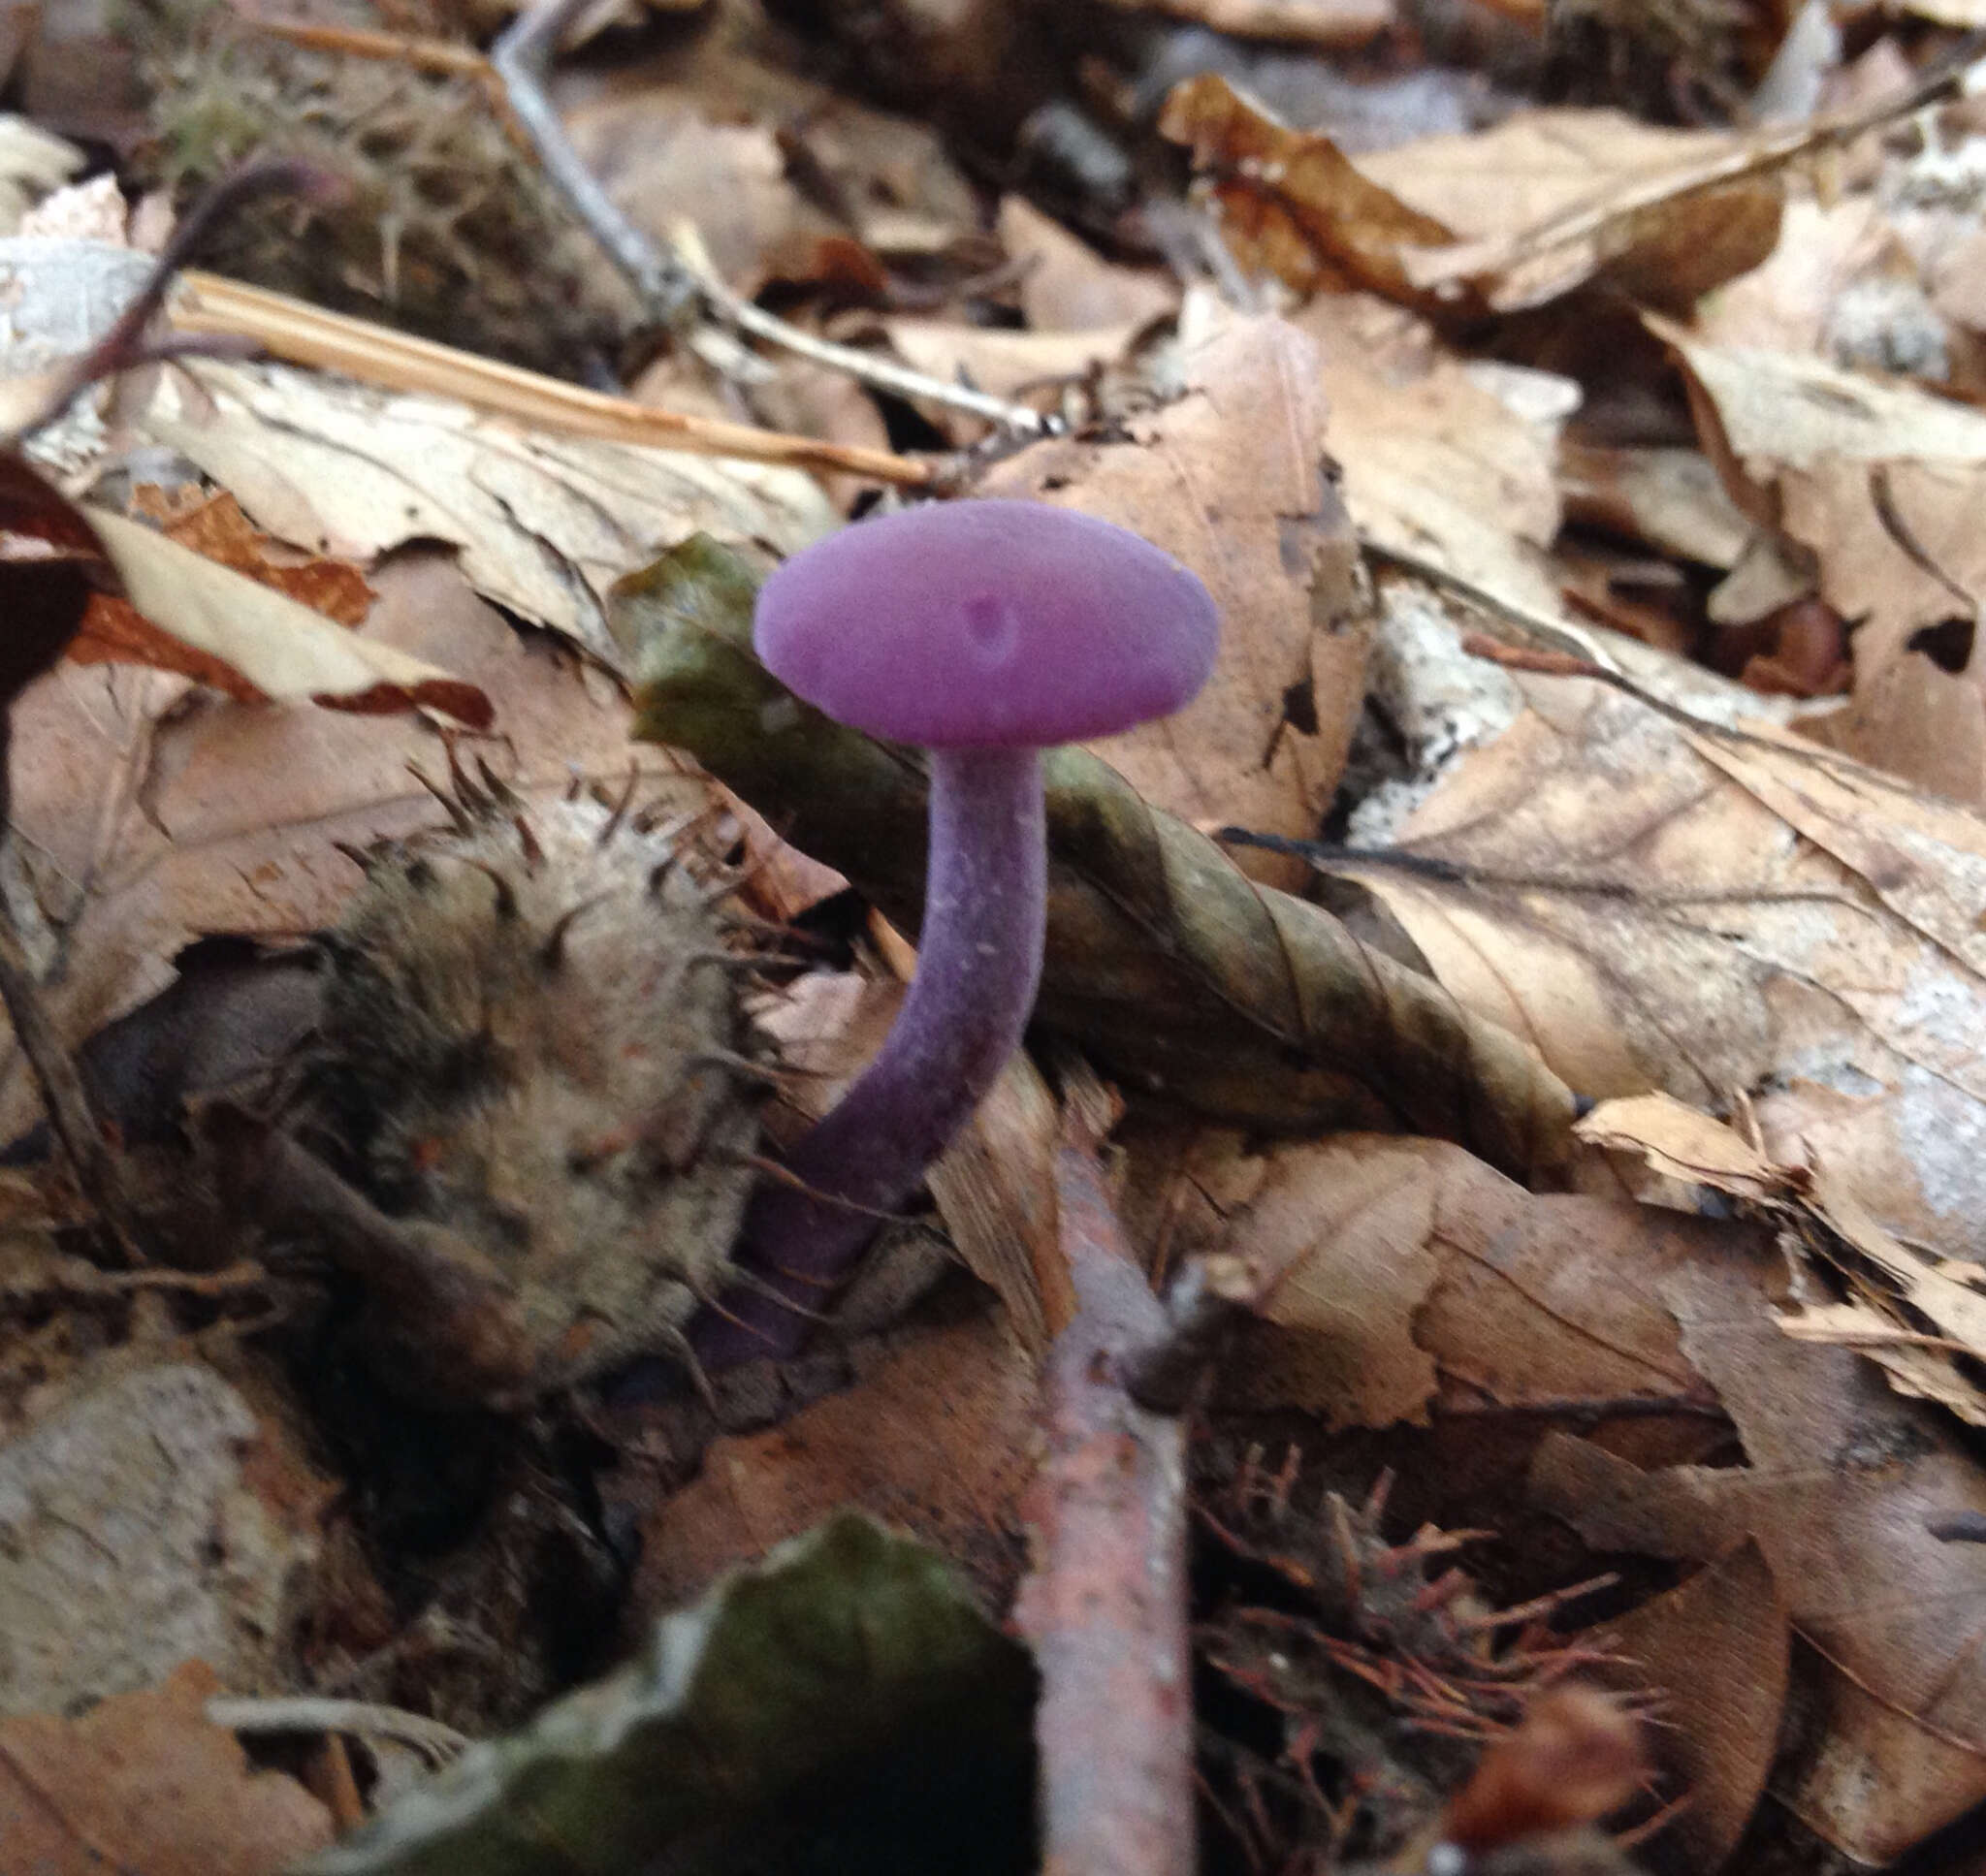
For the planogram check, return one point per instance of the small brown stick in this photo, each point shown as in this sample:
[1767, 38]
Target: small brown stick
[443, 57]
[667, 285]
[301, 334]
[1104, 1606]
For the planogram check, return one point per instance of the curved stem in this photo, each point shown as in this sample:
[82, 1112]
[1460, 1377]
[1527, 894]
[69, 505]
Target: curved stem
[978, 966]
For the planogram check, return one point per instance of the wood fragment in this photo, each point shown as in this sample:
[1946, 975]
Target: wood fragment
[1105, 1607]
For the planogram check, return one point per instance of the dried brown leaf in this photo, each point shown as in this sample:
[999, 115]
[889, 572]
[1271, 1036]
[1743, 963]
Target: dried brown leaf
[278, 648]
[1919, 1310]
[1879, 484]
[216, 528]
[936, 1436]
[1511, 217]
[1396, 1274]
[544, 525]
[1688, 1145]
[666, 161]
[1067, 286]
[1668, 500]
[1230, 480]
[1549, 200]
[1843, 1482]
[1292, 201]
[143, 1782]
[1708, 913]
[1007, 364]
[1433, 463]
[1715, 1649]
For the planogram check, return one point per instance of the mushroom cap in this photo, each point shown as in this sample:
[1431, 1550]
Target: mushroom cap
[987, 625]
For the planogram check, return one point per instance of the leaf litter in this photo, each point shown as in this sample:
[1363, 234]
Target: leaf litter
[1544, 469]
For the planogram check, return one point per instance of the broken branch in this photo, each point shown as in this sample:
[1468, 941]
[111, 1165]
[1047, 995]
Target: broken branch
[1104, 1608]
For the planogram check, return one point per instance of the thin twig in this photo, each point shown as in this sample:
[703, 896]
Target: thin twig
[301, 334]
[436, 1743]
[1105, 1607]
[666, 284]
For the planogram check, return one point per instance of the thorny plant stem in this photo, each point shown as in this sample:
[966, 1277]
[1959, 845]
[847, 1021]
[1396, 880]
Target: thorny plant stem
[666, 285]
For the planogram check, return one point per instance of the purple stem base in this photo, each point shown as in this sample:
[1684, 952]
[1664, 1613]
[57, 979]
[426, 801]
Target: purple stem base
[978, 966]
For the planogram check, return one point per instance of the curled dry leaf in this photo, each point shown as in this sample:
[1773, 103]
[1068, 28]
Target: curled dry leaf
[1715, 1649]
[1550, 200]
[1181, 974]
[1841, 1484]
[1292, 201]
[544, 525]
[1879, 485]
[282, 652]
[145, 1782]
[1231, 479]
[1909, 1310]
[1506, 218]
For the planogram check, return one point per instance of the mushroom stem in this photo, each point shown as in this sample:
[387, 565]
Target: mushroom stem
[978, 966]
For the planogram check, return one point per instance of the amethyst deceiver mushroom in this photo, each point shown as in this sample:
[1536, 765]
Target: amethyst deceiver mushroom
[982, 631]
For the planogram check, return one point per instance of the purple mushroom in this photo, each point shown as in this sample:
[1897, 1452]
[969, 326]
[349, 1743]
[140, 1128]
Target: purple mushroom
[983, 631]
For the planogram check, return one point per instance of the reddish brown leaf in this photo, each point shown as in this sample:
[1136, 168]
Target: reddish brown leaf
[145, 1783]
